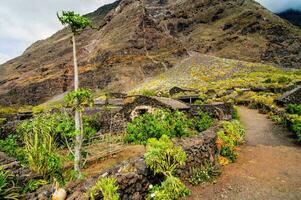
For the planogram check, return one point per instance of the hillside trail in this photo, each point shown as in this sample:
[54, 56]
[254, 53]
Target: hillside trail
[268, 167]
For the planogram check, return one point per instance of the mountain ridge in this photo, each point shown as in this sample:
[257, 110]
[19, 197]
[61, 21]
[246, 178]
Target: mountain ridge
[293, 16]
[140, 39]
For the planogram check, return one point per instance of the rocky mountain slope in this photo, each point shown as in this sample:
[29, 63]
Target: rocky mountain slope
[293, 16]
[205, 73]
[142, 38]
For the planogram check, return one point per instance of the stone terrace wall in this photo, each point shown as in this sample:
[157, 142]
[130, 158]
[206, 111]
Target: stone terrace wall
[134, 178]
[21, 174]
[222, 111]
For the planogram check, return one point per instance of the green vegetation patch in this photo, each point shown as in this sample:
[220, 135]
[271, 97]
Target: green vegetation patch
[163, 157]
[8, 188]
[108, 188]
[229, 137]
[202, 174]
[165, 122]
[154, 125]
[294, 109]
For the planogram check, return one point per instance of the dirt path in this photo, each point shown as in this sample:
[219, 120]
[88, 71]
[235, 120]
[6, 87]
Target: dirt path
[269, 165]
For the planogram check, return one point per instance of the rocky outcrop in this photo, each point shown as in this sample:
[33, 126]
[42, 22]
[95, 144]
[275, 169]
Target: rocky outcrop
[11, 122]
[292, 96]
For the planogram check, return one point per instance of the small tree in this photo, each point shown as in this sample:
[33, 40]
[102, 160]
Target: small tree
[78, 100]
[77, 23]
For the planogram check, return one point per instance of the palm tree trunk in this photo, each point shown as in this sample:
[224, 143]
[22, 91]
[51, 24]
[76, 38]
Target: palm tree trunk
[77, 116]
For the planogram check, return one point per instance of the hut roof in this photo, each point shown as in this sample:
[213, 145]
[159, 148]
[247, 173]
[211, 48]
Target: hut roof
[159, 102]
[174, 104]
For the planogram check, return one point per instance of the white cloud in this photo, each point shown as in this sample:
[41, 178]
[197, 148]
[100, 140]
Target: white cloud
[26, 21]
[3, 57]
[280, 5]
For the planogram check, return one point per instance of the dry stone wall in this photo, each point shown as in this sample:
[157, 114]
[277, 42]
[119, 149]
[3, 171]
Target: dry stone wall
[134, 178]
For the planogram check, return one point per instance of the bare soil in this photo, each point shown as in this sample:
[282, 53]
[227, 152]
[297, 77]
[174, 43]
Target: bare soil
[126, 153]
[269, 165]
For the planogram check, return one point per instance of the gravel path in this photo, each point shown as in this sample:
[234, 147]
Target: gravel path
[269, 165]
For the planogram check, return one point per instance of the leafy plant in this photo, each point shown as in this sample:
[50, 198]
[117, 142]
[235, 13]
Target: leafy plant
[202, 122]
[235, 114]
[33, 185]
[76, 22]
[162, 156]
[79, 100]
[276, 118]
[38, 136]
[228, 148]
[65, 129]
[107, 186]
[234, 129]
[170, 189]
[294, 109]
[294, 125]
[11, 148]
[162, 122]
[203, 174]
[229, 137]
[8, 190]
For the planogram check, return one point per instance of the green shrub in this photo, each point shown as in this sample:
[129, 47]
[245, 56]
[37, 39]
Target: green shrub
[202, 122]
[33, 185]
[294, 125]
[43, 134]
[284, 79]
[108, 188]
[276, 118]
[279, 79]
[163, 157]
[11, 148]
[203, 174]
[8, 190]
[294, 109]
[228, 147]
[234, 129]
[38, 136]
[170, 189]
[235, 114]
[172, 124]
[229, 137]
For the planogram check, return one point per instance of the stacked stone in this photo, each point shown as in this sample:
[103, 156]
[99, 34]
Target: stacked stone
[22, 174]
[134, 178]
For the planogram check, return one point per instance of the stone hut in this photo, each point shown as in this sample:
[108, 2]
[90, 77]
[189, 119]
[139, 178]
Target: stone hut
[137, 105]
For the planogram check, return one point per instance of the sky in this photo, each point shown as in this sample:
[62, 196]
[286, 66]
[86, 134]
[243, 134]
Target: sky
[22, 22]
